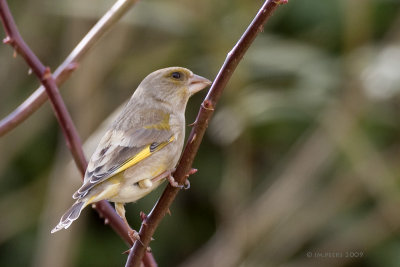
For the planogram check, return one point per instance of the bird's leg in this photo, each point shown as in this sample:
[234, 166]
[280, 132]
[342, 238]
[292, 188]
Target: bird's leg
[171, 179]
[162, 175]
[120, 209]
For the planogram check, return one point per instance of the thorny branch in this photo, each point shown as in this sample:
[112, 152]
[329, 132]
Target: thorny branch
[63, 72]
[71, 135]
[151, 222]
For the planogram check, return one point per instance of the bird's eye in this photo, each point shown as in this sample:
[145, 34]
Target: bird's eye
[176, 75]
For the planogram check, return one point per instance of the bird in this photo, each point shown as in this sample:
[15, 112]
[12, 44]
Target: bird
[141, 147]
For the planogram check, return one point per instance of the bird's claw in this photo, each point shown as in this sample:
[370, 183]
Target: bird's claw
[173, 182]
[134, 236]
[187, 184]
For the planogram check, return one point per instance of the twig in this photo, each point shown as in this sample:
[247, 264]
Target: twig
[233, 58]
[71, 135]
[43, 73]
[63, 72]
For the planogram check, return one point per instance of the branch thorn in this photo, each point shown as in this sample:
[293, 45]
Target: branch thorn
[192, 171]
[281, 2]
[46, 74]
[143, 216]
[72, 66]
[127, 251]
[193, 138]
[193, 123]
[207, 105]
[8, 40]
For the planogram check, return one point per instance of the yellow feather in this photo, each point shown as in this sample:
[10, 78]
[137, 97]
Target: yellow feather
[141, 156]
[113, 189]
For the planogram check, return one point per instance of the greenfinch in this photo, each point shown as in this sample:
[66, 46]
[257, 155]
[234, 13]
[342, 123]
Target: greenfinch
[142, 146]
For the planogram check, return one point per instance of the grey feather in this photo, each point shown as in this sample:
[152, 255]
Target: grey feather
[122, 143]
[71, 215]
[153, 115]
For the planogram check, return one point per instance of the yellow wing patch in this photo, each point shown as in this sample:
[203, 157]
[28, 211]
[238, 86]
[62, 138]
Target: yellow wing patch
[144, 153]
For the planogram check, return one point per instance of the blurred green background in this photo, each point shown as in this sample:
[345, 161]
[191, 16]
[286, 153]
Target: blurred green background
[299, 166]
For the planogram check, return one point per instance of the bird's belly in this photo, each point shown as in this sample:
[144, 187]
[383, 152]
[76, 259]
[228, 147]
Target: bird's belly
[132, 192]
[133, 188]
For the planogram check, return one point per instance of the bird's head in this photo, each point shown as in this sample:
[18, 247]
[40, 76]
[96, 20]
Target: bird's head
[172, 85]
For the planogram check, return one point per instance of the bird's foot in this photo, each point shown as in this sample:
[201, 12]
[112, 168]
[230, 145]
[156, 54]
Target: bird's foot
[174, 183]
[134, 236]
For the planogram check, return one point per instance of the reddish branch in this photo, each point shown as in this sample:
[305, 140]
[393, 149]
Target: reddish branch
[71, 135]
[151, 222]
[43, 73]
[63, 72]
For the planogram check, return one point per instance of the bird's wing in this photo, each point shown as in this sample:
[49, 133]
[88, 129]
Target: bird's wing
[118, 150]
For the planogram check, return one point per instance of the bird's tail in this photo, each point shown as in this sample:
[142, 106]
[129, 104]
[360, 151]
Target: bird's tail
[71, 215]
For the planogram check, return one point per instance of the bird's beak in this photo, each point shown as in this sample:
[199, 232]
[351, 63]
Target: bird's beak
[197, 83]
